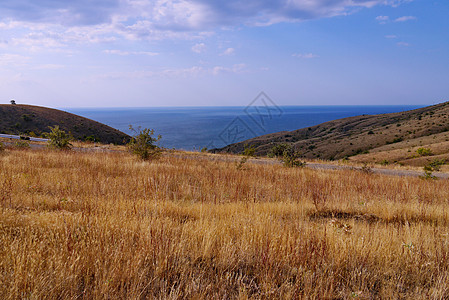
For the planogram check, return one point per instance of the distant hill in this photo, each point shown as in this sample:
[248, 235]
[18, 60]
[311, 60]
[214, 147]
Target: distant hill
[358, 135]
[28, 119]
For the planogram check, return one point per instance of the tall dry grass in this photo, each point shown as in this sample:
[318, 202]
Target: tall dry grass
[85, 225]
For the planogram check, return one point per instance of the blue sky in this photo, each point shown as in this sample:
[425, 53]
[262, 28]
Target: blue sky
[83, 53]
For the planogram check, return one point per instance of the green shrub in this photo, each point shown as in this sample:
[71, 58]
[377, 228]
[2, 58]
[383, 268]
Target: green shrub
[21, 144]
[436, 164]
[384, 162]
[278, 150]
[91, 139]
[143, 144]
[2, 147]
[424, 152]
[58, 139]
[428, 173]
[290, 159]
[249, 150]
[287, 155]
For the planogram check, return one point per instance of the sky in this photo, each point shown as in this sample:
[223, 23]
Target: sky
[143, 53]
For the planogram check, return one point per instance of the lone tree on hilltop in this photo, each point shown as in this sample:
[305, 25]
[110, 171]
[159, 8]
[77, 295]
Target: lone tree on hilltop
[13, 102]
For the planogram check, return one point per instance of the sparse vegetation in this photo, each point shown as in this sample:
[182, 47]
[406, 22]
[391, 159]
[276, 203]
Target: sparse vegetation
[424, 151]
[366, 168]
[384, 162]
[433, 166]
[21, 144]
[143, 143]
[91, 139]
[356, 135]
[436, 164]
[290, 157]
[428, 172]
[278, 150]
[241, 163]
[249, 150]
[94, 225]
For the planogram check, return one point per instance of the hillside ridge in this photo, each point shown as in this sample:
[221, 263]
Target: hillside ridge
[36, 120]
[354, 135]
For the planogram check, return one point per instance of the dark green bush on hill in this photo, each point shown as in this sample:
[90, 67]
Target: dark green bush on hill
[278, 150]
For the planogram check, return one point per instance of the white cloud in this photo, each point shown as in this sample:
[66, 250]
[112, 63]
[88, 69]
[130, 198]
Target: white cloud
[239, 68]
[382, 19]
[97, 21]
[403, 44]
[49, 67]
[396, 3]
[126, 53]
[199, 48]
[191, 72]
[305, 55]
[391, 36]
[405, 19]
[228, 51]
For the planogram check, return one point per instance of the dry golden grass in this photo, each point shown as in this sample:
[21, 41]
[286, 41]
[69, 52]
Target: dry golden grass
[106, 225]
[404, 152]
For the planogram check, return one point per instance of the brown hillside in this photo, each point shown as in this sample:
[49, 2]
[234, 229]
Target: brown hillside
[28, 119]
[355, 135]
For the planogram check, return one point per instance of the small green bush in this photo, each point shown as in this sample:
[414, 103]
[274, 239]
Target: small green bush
[249, 150]
[384, 162]
[287, 155]
[21, 144]
[291, 160]
[424, 152]
[143, 143]
[278, 150]
[436, 164]
[91, 139]
[58, 139]
[2, 147]
[428, 173]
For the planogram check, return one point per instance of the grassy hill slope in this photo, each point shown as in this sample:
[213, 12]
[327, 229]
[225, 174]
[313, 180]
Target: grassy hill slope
[358, 135]
[26, 119]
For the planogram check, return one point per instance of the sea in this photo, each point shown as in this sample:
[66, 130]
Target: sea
[195, 128]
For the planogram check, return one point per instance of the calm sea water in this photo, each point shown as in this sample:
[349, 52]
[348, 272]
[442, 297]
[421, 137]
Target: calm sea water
[192, 128]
